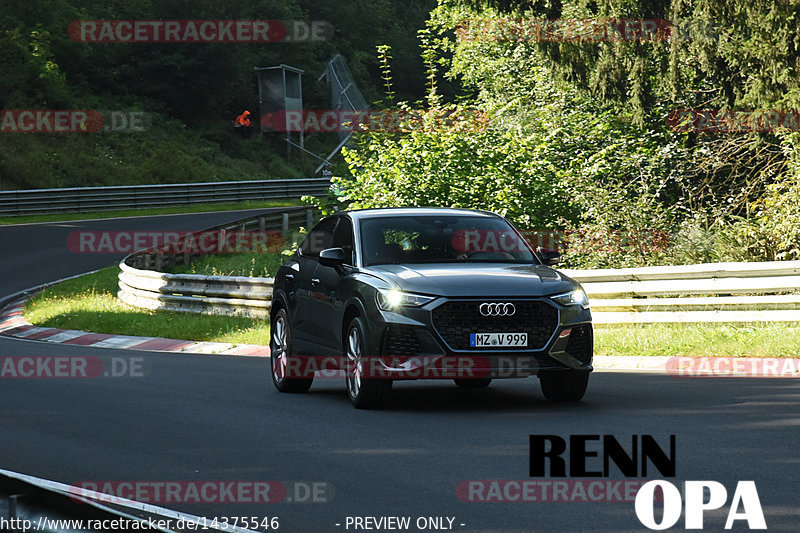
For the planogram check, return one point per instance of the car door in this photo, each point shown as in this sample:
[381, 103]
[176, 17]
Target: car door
[305, 322]
[329, 298]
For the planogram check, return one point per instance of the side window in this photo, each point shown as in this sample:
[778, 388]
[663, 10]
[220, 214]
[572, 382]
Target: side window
[343, 238]
[320, 238]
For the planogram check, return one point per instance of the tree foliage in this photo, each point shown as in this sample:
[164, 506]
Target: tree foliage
[580, 139]
[195, 89]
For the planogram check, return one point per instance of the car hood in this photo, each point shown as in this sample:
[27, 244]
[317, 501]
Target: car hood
[471, 279]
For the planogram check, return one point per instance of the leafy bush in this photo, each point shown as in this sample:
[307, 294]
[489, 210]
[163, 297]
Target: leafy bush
[778, 211]
[548, 157]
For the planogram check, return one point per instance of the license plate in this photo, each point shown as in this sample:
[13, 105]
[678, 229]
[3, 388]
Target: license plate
[497, 340]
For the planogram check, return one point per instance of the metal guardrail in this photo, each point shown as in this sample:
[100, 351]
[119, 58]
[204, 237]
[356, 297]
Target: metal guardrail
[213, 295]
[141, 283]
[714, 292]
[29, 503]
[85, 199]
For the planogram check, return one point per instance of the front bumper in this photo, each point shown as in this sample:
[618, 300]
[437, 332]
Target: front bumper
[405, 344]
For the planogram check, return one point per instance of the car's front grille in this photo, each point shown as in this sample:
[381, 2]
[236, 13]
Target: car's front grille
[580, 344]
[401, 341]
[455, 320]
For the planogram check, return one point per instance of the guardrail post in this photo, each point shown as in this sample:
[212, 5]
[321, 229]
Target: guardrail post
[284, 222]
[309, 219]
[262, 223]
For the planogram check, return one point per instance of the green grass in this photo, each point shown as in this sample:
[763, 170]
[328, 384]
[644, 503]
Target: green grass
[168, 152]
[195, 208]
[700, 340]
[262, 265]
[89, 303]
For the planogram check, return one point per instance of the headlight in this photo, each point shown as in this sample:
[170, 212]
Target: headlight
[576, 297]
[390, 299]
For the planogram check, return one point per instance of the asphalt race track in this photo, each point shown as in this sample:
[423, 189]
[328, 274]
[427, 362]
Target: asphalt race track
[212, 418]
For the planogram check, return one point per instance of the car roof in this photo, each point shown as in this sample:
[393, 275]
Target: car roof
[415, 211]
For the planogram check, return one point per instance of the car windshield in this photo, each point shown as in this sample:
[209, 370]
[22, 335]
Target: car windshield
[441, 239]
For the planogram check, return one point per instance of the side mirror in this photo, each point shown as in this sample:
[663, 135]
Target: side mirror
[549, 256]
[331, 257]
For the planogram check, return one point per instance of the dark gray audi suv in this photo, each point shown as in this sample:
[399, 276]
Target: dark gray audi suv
[380, 295]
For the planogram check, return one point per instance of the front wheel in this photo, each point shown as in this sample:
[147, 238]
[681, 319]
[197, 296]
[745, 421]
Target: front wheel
[564, 385]
[282, 363]
[364, 393]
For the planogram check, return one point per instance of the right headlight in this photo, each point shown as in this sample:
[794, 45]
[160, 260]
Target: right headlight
[574, 297]
[391, 299]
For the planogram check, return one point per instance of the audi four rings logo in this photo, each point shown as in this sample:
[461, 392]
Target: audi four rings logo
[503, 309]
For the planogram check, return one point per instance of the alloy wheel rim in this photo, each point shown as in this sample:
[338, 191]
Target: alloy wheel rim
[354, 360]
[279, 350]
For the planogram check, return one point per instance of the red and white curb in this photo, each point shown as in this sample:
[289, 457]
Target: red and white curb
[13, 324]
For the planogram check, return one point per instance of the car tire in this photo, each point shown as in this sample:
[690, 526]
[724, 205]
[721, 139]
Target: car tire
[364, 393]
[280, 348]
[564, 385]
[473, 383]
